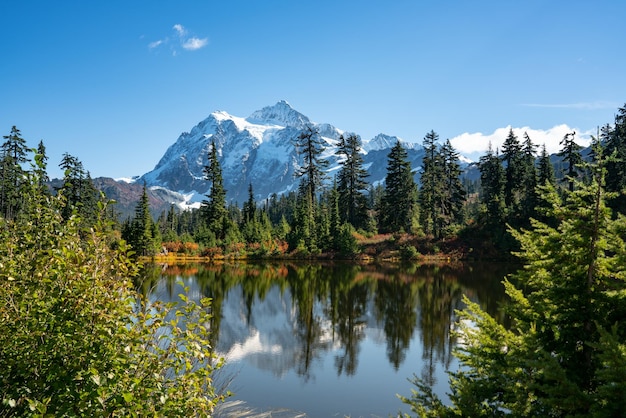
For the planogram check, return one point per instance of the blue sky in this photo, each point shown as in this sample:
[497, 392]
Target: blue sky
[114, 82]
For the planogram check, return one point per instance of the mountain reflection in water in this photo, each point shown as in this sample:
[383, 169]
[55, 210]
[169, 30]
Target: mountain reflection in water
[332, 339]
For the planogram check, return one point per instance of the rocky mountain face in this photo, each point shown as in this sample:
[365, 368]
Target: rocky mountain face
[126, 195]
[258, 150]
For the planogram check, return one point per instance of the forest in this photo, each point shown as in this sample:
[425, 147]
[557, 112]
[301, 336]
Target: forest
[77, 338]
[344, 216]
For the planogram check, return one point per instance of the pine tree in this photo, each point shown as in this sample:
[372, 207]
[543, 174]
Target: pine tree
[545, 169]
[249, 207]
[14, 153]
[492, 180]
[351, 182]
[570, 152]
[615, 140]
[335, 218]
[528, 182]
[565, 354]
[41, 165]
[310, 147]
[513, 158]
[431, 186]
[398, 206]
[302, 230]
[78, 190]
[214, 207]
[453, 190]
[141, 232]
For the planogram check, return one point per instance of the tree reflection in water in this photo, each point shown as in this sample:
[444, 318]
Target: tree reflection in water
[334, 304]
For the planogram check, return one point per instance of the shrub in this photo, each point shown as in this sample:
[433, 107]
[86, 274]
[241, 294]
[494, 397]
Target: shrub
[76, 339]
[408, 252]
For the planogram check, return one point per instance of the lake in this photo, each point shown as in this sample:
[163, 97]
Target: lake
[332, 339]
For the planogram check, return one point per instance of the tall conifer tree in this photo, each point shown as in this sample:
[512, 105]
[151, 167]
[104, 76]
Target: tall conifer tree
[615, 139]
[14, 153]
[545, 170]
[453, 190]
[528, 182]
[214, 207]
[351, 182]
[513, 158]
[310, 147]
[399, 201]
[565, 355]
[431, 186]
[492, 181]
[570, 152]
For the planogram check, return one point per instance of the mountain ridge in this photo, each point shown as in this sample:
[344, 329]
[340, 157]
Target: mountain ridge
[257, 150]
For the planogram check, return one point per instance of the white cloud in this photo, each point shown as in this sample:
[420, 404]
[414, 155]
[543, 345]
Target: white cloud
[193, 43]
[474, 145]
[180, 30]
[180, 40]
[155, 44]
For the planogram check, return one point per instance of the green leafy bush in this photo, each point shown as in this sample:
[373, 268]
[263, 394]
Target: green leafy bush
[76, 339]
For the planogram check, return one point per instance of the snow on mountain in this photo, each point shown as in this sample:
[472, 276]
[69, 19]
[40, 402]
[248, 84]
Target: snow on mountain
[258, 150]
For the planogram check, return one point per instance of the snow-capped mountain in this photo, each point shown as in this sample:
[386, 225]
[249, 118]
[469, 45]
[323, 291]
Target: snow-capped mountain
[258, 150]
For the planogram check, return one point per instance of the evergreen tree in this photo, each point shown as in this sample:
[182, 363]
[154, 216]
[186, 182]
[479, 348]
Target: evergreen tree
[335, 218]
[310, 147]
[78, 190]
[141, 232]
[41, 165]
[570, 152]
[431, 187]
[13, 155]
[214, 207]
[302, 230]
[545, 177]
[566, 353]
[615, 140]
[351, 182]
[398, 206]
[453, 199]
[545, 170]
[528, 182]
[492, 180]
[513, 158]
[249, 207]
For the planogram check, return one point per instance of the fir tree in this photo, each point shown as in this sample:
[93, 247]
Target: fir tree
[214, 207]
[351, 182]
[302, 230]
[431, 186]
[453, 199]
[41, 165]
[14, 153]
[142, 232]
[528, 183]
[513, 159]
[310, 147]
[570, 152]
[565, 354]
[615, 140]
[492, 180]
[335, 218]
[249, 207]
[78, 190]
[545, 169]
[398, 206]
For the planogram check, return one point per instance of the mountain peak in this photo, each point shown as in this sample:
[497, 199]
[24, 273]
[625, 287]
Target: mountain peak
[280, 114]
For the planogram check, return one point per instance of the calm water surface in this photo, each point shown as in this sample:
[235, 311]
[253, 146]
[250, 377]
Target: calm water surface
[333, 339]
